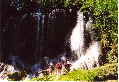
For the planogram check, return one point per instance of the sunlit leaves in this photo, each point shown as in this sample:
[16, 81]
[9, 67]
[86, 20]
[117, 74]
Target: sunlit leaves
[105, 13]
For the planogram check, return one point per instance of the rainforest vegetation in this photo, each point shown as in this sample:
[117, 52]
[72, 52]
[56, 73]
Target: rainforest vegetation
[105, 23]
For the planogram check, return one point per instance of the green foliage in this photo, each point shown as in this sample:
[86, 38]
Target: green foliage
[111, 57]
[18, 76]
[78, 75]
[103, 73]
[44, 78]
[105, 14]
[107, 72]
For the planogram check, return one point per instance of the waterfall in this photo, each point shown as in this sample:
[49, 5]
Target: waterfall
[90, 59]
[77, 37]
[22, 18]
[38, 16]
[87, 56]
[44, 40]
[42, 33]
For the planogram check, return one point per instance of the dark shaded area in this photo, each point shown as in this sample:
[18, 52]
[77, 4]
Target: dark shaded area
[107, 77]
[18, 37]
[18, 76]
[58, 29]
[19, 31]
[87, 39]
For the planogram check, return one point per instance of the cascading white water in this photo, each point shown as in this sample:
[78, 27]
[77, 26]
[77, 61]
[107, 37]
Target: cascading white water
[87, 58]
[77, 37]
[37, 15]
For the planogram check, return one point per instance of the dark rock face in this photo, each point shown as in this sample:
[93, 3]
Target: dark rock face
[18, 37]
[59, 25]
[32, 36]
